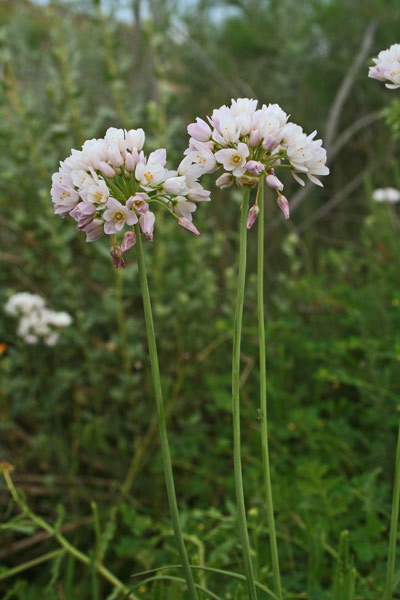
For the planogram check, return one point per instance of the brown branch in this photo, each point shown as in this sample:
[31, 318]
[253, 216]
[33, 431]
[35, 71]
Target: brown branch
[348, 189]
[346, 85]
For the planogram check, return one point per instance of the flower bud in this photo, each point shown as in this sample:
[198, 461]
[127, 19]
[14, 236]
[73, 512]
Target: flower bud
[115, 156]
[252, 215]
[225, 180]
[274, 182]
[130, 162]
[255, 138]
[106, 170]
[175, 185]
[283, 205]
[128, 241]
[146, 223]
[94, 230]
[200, 130]
[186, 224]
[255, 167]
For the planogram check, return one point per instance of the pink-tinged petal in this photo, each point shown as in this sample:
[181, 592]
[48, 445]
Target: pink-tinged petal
[128, 241]
[186, 224]
[297, 178]
[106, 170]
[113, 204]
[158, 157]
[252, 215]
[315, 180]
[243, 149]
[94, 230]
[119, 225]
[146, 223]
[131, 218]
[283, 205]
[274, 182]
[110, 228]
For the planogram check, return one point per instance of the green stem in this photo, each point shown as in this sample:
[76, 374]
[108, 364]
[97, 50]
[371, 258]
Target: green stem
[237, 334]
[121, 321]
[29, 564]
[61, 539]
[263, 395]
[393, 525]
[223, 572]
[151, 337]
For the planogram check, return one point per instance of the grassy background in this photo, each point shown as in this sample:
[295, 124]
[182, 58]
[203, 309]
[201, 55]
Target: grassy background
[78, 420]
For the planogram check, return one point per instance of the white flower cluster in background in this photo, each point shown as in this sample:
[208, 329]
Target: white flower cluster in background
[388, 194]
[35, 321]
[110, 184]
[387, 67]
[249, 143]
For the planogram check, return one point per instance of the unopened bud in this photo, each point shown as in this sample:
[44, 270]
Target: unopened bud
[186, 224]
[283, 205]
[252, 215]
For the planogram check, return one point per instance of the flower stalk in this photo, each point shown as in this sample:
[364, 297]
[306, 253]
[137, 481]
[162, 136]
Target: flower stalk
[263, 395]
[166, 456]
[244, 536]
[393, 525]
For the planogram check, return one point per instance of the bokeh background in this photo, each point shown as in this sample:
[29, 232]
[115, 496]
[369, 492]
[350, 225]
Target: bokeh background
[78, 420]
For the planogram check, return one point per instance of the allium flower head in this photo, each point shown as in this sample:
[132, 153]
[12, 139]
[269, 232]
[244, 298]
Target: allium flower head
[249, 143]
[35, 321]
[110, 185]
[387, 67]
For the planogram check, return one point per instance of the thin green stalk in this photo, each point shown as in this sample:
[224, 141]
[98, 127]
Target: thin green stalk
[263, 395]
[29, 564]
[121, 321]
[393, 525]
[155, 369]
[202, 588]
[83, 558]
[223, 572]
[237, 334]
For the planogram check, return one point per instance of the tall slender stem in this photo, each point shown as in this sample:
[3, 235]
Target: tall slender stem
[237, 334]
[155, 369]
[263, 395]
[393, 525]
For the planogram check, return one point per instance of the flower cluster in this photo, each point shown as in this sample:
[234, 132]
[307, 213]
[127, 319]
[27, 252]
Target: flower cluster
[388, 194]
[387, 67]
[249, 143]
[36, 322]
[110, 184]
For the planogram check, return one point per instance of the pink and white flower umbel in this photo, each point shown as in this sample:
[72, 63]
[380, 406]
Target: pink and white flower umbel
[109, 185]
[387, 67]
[249, 142]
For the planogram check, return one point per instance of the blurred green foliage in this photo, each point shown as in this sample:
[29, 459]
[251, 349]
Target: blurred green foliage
[78, 421]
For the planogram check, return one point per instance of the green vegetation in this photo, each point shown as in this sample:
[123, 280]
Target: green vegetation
[78, 421]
